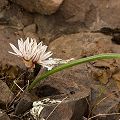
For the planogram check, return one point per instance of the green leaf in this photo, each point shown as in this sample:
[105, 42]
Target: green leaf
[73, 63]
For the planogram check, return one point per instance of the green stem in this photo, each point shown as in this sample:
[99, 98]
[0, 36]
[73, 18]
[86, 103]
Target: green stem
[73, 63]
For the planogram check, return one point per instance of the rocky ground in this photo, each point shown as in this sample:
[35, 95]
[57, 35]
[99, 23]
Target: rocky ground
[71, 29]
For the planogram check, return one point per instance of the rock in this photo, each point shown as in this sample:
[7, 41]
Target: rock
[103, 70]
[3, 116]
[30, 28]
[96, 75]
[3, 3]
[32, 35]
[30, 31]
[46, 7]
[107, 102]
[69, 108]
[116, 77]
[57, 85]
[80, 45]
[8, 35]
[15, 17]
[25, 101]
[9, 72]
[74, 103]
[104, 16]
[116, 48]
[46, 27]
[54, 26]
[94, 14]
[74, 11]
[5, 94]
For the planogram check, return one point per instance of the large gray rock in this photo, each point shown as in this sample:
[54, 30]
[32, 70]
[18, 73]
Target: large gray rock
[46, 7]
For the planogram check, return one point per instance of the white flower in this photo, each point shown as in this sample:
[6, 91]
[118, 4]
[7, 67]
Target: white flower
[33, 53]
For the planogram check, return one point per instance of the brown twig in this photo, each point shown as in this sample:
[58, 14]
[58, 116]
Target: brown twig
[103, 115]
[56, 107]
[102, 101]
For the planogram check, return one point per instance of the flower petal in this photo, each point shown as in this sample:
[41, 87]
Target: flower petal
[13, 53]
[15, 50]
[46, 55]
[20, 45]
